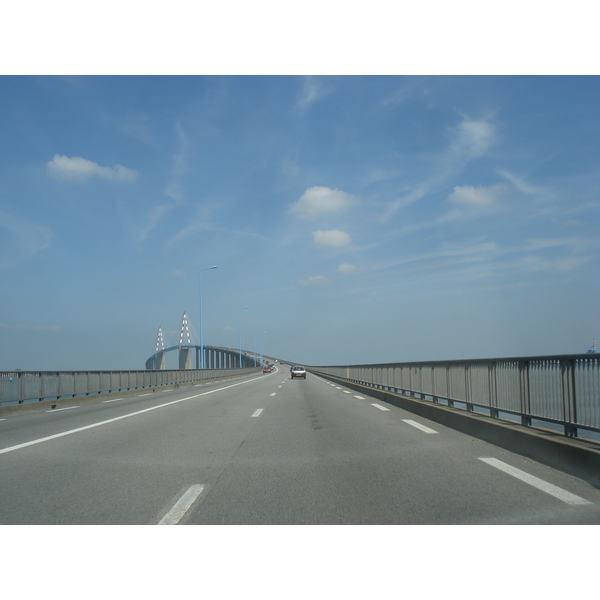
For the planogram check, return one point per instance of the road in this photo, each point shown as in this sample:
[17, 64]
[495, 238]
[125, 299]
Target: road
[265, 449]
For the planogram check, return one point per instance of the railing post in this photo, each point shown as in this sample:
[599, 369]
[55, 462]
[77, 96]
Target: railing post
[567, 371]
[524, 398]
[493, 387]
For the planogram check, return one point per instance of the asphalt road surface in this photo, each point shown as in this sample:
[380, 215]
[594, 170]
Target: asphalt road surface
[265, 449]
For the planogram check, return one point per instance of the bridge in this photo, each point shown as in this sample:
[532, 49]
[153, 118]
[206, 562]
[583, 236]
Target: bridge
[209, 357]
[491, 441]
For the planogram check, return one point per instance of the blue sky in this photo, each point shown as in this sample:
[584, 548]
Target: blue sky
[361, 218]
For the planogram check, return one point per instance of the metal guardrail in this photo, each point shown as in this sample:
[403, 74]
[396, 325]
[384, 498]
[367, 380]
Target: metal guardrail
[20, 387]
[559, 390]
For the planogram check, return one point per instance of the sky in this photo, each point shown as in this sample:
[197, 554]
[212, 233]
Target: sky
[405, 215]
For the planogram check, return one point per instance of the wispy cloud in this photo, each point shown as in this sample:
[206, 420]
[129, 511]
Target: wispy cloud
[314, 281]
[22, 327]
[174, 188]
[22, 241]
[153, 220]
[80, 169]
[312, 90]
[471, 139]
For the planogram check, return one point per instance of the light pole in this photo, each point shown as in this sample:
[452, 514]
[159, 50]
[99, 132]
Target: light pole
[201, 331]
[240, 332]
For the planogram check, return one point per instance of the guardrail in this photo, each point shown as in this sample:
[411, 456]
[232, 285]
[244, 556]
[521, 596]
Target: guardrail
[541, 391]
[20, 387]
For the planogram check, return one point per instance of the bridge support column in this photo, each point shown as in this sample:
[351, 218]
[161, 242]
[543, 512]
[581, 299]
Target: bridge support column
[185, 358]
[156, 362]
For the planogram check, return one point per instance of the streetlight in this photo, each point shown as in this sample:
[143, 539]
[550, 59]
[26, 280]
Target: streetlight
[240, 332]
[201, 331]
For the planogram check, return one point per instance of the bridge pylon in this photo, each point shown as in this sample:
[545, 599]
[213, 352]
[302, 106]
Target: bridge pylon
[157, 362]
[185, 353]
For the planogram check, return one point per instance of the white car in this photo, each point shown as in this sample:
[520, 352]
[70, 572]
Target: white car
[298, 372]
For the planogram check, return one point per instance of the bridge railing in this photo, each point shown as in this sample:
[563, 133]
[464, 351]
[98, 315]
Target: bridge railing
[19, 387]
[540, 391]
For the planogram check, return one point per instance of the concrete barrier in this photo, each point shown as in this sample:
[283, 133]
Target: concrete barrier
[577, 457]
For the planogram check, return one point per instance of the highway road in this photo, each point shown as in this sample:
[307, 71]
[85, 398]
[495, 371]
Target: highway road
[265, 449]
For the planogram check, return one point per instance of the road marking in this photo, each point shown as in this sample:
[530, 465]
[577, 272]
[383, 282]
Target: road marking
[347, 392]
[133, 414]
[113, 400]
[536, 482]
[182, 506]
[59, 409]
[274, 394]
[419, 426]
[149, 394]
[360, 397]
[257, 412]
[379, 406]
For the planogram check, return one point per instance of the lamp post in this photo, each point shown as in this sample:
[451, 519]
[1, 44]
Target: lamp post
[201, 331]
[240, 332]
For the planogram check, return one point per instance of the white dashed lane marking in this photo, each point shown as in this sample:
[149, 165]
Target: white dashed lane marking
[540, 484]
[419, 426]
[380, 407]
[182, 506]
[257, 412]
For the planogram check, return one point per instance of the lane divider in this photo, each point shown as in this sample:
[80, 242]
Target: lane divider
[257, 412]
[540, 484]
[419, 426]
[182, 506]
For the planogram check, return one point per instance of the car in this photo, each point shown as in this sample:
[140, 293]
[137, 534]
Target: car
[266, 369]
[298, 371]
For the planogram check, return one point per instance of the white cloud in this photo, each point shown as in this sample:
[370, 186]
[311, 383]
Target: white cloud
[346, 268]
[467, 195]
[314, 280]
[79, 169]
[333, 238]
[319, 200]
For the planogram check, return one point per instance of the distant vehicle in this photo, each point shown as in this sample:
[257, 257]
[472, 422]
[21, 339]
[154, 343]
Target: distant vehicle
[266, 369]
[298, 372]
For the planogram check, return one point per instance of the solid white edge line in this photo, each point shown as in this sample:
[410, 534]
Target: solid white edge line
[379, 406]
[182, 506]
[133, 414]
[257, 412]
[419, 426]
[540, 484]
